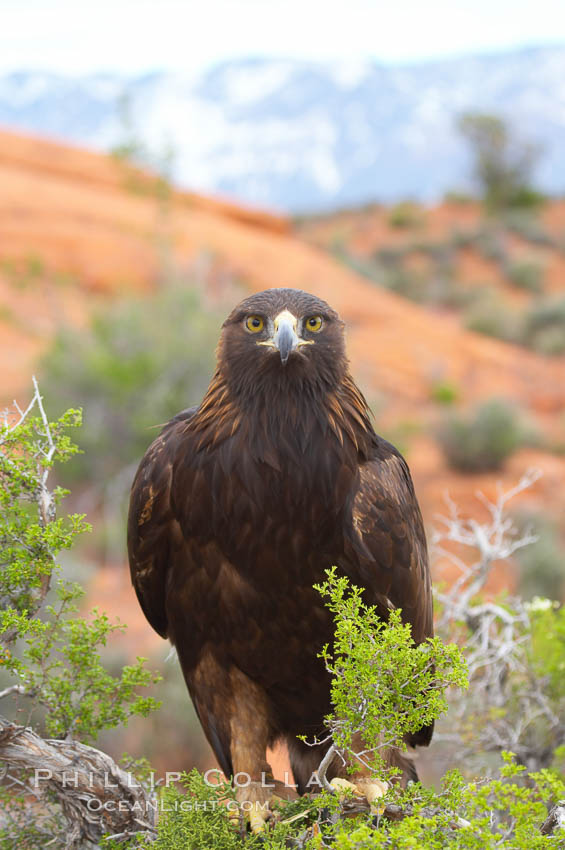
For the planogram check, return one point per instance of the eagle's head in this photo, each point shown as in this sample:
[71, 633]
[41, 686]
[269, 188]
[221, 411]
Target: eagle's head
[282, 336]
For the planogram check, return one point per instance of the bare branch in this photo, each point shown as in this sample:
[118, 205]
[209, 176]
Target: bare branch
[496, 639]
[46, 501]
[324, 765]
[555, 821]
[95, 794]
[13, 689]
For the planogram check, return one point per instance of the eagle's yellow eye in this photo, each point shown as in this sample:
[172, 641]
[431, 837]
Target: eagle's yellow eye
[314, 323]
[254, 324]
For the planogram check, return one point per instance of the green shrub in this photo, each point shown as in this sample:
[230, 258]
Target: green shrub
[526, 274]
[488, 314]
[544, 326]
[483, 440]
[444, 392]
[407, 283]
[405, 215]
[384, 686]
[54, 682]
[527, 198]
[455, 196]
[462, 238]
[434, 288]
[501, 813]
[540, 327]
[392, 255]
[490, 243]
[529, 229]
[541, 565]
[449, 292]
[438, 251]
[58, 653]
[138, 363]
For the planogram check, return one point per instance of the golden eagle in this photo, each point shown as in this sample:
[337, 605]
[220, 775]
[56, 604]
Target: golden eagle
[238, 508]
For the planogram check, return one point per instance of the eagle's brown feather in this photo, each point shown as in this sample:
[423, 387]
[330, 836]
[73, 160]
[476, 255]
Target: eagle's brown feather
[237, 509]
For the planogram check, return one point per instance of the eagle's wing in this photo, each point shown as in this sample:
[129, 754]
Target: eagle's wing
[388, 539]
[389, 542]
[152, 527]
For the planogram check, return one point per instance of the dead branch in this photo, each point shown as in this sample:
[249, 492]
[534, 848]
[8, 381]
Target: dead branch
[555, 820]
[96, 796]
[496, 638]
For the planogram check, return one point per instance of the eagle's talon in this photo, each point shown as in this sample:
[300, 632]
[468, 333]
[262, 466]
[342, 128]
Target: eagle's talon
[254, 807]
[236, 820]
[343, 786]
[373, 790]
[258, 818]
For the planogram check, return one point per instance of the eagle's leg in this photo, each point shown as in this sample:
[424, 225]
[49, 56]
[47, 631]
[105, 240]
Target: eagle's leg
[249, 736]
[234, 713]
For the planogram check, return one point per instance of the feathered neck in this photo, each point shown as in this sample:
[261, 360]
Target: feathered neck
[298, 413]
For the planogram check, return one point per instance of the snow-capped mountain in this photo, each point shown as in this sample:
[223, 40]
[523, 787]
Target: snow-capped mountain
[298, 136]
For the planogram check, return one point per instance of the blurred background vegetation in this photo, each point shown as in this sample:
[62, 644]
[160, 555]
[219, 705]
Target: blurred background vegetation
[139, 361]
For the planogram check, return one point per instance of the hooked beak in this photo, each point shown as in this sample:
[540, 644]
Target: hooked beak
[285, 337]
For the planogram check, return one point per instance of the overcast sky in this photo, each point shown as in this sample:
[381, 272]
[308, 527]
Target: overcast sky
[133, 36]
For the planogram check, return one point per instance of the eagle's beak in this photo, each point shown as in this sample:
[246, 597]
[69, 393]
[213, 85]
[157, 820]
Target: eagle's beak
[285, 337]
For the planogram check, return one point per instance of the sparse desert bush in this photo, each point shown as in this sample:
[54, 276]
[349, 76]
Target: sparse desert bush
[392, 255]
[136, 365]
[444, 392]
[482, 440]
[434, 249]
[460, 198]
[490, 243]
[454, 294]
[405, 215]
[544, 326]
[436, 288]
[407, 283]
[488, 314]
[528, 198]
[541, 564]
[440, 253]
[540, 327]
[462, 238]
[526, 274]
[529, 228]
